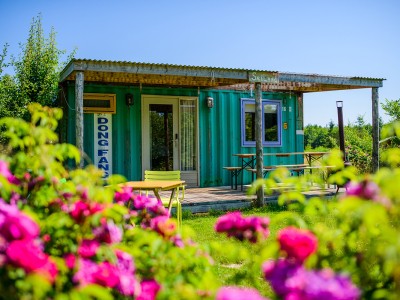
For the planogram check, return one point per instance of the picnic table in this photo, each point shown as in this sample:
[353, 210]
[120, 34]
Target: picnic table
[248, 162]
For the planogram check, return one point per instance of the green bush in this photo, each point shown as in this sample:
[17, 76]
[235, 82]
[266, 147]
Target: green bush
[67, 234]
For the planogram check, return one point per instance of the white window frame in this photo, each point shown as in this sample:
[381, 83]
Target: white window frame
[245, 143]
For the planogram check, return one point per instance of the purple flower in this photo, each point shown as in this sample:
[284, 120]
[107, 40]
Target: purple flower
[236, 293]
[15, 225]
[124, 261]
[291, 280]
[243, 228]
[128, 285]
[365, 189]
[149, 290]
[327, 285]
[278, 272]
[108, 232]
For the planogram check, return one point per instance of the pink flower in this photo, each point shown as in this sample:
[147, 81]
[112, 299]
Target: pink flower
[367, 190]
[243, 228]
[104, 274]
[237, 293]
[124, 195]
[88, 248]
[297, 243]
[81, 210]
[163, 225]
[15, 225]
[28, 256]
[128, 285]
[5, 172]
[70, 260]
[149, 290]
[107, 275]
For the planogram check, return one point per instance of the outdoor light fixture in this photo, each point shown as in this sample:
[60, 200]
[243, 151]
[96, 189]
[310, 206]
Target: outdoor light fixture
[339, 103]
[210, 102]
[129, 99]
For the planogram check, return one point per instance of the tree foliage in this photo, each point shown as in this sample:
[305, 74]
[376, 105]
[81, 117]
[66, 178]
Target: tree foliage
[36, 73]
[358, 141]
[392, 109]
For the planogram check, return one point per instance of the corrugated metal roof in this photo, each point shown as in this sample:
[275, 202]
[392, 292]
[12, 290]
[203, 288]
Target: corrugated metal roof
[223, 68]
[172, 65]
[160, 74]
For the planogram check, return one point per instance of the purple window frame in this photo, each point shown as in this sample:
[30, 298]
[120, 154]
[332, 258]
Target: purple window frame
[245, 143]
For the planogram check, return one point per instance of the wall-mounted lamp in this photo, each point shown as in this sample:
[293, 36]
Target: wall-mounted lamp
[210, 102]
[129, 99]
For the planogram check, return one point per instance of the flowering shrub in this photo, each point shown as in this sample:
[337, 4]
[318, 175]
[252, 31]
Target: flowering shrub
[64, 235]
[243, 228]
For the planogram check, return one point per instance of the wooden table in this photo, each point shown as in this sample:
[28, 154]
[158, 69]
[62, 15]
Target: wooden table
[308, 155]
[156, 186]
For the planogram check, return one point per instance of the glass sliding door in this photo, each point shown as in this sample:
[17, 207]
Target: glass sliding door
[161, 137]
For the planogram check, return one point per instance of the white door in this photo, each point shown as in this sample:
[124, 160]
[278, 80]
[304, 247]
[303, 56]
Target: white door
[160, 134]
[170, 135]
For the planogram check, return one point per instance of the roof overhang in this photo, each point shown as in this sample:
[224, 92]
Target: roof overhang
[132, 73]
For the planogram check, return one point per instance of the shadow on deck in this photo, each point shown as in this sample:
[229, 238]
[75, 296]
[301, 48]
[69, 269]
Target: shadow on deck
[223, 198]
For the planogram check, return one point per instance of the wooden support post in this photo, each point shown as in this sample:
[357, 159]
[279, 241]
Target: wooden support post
[375, 129]
[259, 145]
[79, 83]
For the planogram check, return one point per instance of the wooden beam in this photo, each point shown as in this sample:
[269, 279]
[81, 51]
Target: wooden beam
[332, 80]
[79, 83]
[375, 130]
[259, 145]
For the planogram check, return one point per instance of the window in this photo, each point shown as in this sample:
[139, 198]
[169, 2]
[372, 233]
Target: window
[99, 103]
[271, 122]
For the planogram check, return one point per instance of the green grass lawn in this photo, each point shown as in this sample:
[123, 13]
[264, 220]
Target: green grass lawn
[231, 257]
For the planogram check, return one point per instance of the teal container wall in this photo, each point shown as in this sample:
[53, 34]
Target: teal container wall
[219, 130]
[220, 135]
[126, 132]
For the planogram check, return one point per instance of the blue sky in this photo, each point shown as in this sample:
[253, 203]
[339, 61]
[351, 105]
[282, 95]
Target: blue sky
[342, 37]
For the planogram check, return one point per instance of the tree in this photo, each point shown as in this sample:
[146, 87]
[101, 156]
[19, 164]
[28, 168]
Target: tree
[36, 73]
[392, 109]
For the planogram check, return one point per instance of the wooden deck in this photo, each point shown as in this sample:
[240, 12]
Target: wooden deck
[201, 200]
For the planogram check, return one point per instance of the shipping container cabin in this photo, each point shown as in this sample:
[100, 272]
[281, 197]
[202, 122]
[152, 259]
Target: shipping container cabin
[127, 117]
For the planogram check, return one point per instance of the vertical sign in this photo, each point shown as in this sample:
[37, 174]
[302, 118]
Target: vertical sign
[103, 143]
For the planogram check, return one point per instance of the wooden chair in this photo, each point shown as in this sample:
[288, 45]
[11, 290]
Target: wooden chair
[179, 193]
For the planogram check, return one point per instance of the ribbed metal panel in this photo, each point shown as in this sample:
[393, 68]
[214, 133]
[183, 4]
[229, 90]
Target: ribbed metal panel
[219, 130]
[220, 135]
